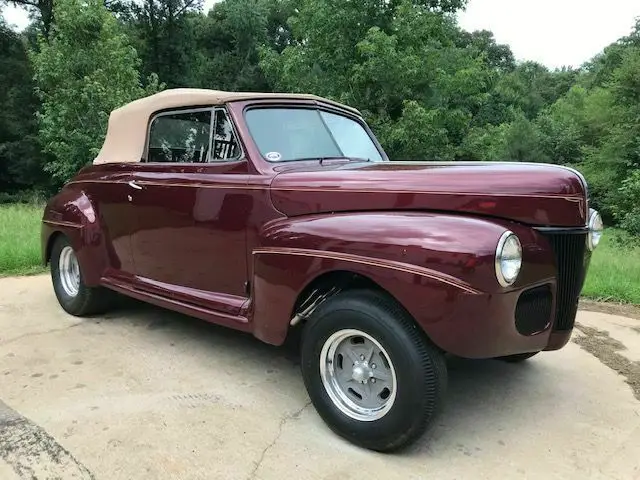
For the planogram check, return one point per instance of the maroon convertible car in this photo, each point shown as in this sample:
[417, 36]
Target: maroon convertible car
[277, 214]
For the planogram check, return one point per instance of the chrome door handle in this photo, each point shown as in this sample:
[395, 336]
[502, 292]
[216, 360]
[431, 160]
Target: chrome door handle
[133, 184]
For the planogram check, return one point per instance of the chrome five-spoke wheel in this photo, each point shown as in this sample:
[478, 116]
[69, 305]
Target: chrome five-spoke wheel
[358, 375]
[373, 377]
[69, 271]
[69, 285]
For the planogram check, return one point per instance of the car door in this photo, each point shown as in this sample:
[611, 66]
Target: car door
[116, 215]
[192, 205]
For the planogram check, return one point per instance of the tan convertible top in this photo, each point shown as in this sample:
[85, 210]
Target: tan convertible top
[127, 129]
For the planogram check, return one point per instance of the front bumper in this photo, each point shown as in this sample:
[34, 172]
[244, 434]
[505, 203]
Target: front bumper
[531, 319]
[485, 326]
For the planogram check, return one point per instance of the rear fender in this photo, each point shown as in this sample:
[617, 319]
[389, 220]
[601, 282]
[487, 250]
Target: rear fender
[72, 214]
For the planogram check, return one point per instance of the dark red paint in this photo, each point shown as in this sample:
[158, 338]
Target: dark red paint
[480, 188]
[237, 243]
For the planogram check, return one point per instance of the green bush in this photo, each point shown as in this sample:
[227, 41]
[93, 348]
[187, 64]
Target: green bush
[627, 208]
[33, 197]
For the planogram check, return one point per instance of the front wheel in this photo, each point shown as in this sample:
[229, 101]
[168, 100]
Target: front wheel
[74, 296]
[372, 375]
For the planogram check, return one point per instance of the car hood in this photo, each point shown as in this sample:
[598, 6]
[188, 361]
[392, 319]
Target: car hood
[535, 194]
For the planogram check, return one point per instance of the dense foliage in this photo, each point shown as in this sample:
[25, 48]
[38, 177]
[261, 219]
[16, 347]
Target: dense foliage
[429, 89]
[20, 158]
[84, 70]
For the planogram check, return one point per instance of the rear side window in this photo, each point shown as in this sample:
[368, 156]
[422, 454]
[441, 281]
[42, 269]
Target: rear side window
[182, 137]
[225, 146]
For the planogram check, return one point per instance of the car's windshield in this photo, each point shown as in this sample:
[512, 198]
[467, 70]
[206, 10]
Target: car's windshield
[287, 134]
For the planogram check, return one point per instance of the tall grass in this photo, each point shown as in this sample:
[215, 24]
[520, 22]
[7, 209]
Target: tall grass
[20, 239]
[614, 274]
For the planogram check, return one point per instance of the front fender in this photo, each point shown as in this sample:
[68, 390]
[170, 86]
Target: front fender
[71, 213]
[431, 263]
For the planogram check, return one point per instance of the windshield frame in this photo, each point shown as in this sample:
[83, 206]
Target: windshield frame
[316, 107]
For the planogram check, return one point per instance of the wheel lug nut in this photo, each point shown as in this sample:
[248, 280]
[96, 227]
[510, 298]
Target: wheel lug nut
[373, 380]
[361, 357]
[373, 365]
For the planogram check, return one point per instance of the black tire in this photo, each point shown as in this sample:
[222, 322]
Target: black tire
[419, 366]
[87, 300]
[521, 357]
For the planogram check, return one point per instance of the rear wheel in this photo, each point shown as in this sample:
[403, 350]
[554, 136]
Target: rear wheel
[371, 374]
[74, 296]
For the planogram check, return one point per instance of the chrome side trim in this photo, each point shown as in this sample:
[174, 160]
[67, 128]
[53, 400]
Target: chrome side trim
[390, 264]
[570, 198]
[241, 186]
[62, 223]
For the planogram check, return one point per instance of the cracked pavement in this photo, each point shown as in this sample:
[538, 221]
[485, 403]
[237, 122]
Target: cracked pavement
[142, 393]
[285, 419]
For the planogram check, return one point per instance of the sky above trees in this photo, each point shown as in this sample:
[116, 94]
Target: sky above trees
[553, 32]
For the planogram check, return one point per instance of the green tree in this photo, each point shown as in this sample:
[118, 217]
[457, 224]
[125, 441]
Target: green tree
[616, 154]
[498, 56]
[594, 127]
[229, 38]
[599, 71]
[163, 35]
[399, 62]
[522, 142]
[484, 143]
[85, 70]
[529, 88]
[20, 159]
[627, 209]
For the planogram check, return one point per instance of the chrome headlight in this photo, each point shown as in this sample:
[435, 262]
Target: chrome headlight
[508, 259]
[595, 229]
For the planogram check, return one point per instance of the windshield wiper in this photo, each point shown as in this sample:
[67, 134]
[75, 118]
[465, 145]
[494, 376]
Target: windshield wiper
[322, 159]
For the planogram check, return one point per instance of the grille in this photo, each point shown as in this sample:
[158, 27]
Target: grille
[569, 251]
[533, 311]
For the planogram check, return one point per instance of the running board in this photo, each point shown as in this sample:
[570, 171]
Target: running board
[236, 322]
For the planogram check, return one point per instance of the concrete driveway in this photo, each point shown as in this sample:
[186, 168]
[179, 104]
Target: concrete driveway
[147, 394]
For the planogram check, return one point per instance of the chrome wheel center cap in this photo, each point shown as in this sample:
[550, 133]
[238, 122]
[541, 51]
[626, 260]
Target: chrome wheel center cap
[358, 375]
[361, 372]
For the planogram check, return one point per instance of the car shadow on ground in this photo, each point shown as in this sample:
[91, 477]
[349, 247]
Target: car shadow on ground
[481, 393]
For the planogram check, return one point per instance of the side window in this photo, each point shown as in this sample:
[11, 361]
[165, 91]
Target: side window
[180, 137]
[225, 144]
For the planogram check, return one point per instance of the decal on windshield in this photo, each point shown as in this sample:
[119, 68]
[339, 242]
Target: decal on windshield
[273, 156]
